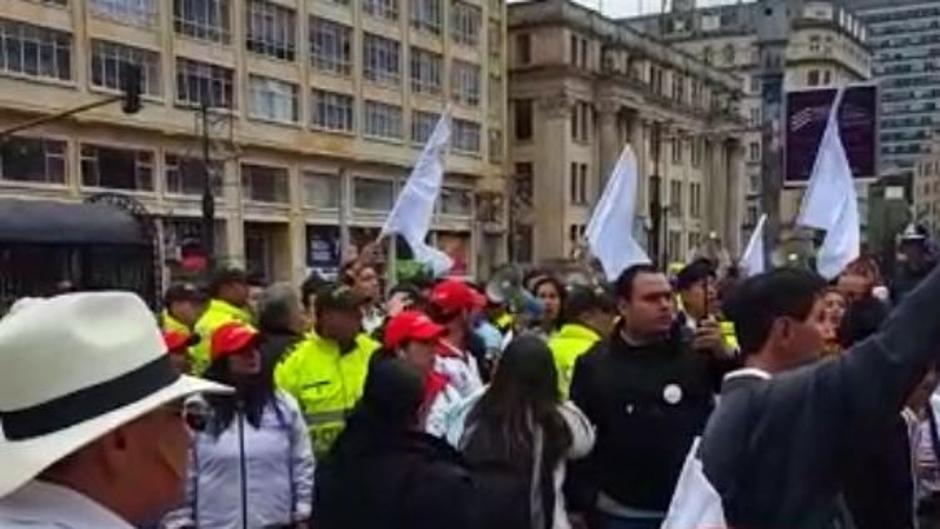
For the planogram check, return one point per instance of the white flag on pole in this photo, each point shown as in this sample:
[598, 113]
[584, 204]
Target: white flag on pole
[414, 208]
[830, 202]
[695, 503]
[752, 261]
[610, 230]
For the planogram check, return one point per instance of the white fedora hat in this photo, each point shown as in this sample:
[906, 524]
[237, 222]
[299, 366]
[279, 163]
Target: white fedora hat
[73, 368]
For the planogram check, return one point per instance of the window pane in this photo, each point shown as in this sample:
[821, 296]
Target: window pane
[330, 46]
[264, 184]
[382, 120]
[272, 99]
[35, 51]
[380, 60]
[203, 19]
[117, 168]
[199, 82]
[321, 190]
[32, 160]
[108, 61]
[270, 30]
[137, 12]
[331, 111]
[372, 194]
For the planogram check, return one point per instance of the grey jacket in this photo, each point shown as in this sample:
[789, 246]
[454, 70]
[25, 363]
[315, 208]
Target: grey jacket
[775, 448]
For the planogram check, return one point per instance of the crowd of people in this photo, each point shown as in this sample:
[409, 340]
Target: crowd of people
[335, 406]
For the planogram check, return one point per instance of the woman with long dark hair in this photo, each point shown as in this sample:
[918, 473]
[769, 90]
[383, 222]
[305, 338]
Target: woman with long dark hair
[251, 465]
[551, 293]
[383, 472]
[520, 426]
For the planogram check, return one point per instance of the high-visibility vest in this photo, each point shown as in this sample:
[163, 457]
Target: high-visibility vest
[567, 345]
[169, 323]
[218, 313]
[327, 384]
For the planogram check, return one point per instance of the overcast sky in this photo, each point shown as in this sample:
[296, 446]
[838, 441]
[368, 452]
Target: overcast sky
[626, 8]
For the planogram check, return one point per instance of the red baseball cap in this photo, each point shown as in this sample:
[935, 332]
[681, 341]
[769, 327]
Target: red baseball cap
[231, 338]
[411, 325]
[452, 295]
[176, 341]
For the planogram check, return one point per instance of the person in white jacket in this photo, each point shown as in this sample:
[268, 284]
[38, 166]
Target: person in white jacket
[413, 337]
[520, 417]
[251, 466]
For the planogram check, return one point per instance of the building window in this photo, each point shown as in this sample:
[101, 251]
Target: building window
[754, 151]
[695, 201]
[33, 160]
[524, 49]
[426, 68]
[422, 125]
[577, 185]
[814, 43]
[272, 99]
[382, 120]
[108, 60]
[696, 150]
[465, 23]
[729, 53]
[755, 117]
[676, 145]
[495, 94]
[674, 245]
[117, 168]
[426, 15]
[827, 77]
[137, 12]
[184, 175]
[200, 82]
[523, 117]
[203, 19]
[331, 111]
[330, 46]
[694, 240]
[457, 202]
[466, 136]
[380, 60]
[371, 194]
[465, 83]
[381, 8]
[321, 190]
[582, 121]
[35, 51]
[675, 198]
[708, 54]
[271, 30]
[496, 146]
[812, 78]
[264, 184]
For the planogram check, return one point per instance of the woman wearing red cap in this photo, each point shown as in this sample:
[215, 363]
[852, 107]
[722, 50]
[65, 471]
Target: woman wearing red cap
[251, 465]
[412, 336]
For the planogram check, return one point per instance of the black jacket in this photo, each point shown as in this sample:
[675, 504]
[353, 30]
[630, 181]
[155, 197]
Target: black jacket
[776, 450]
[372, 480]
[648, 404]
[878, 486]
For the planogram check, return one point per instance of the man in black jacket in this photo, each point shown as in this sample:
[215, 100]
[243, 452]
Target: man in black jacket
[777, 446]
[649, 394]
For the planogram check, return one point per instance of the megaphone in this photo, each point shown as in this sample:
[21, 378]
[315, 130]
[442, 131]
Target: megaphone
[505, 287]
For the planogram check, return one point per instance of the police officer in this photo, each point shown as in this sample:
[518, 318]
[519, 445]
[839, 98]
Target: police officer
[326, 372]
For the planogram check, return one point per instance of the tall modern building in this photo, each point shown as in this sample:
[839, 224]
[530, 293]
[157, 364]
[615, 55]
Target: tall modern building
[905, 40]
[582, 87]
[316, 107]
[826, 47]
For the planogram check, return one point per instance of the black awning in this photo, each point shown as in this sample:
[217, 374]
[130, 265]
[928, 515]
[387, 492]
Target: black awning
[50, 222]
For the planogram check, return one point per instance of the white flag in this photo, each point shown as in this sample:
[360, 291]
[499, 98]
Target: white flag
[695, 503]
[414, 208]
[830, 202]
[610, 230]
[752, 261]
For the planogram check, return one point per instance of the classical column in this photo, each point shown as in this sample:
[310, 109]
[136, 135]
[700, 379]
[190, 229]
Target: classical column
[609, 139]
[716, 184]
[551, 169]
[638, 142]
[735, 197]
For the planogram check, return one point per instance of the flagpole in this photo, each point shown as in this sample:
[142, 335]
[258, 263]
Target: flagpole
[391, 263]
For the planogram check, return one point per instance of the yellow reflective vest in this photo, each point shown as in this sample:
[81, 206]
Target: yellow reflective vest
[218, 313]
[567, 345]
[327, 384]
[169, 323]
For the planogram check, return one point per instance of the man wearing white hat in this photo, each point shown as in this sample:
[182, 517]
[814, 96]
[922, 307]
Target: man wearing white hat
[91, 429]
